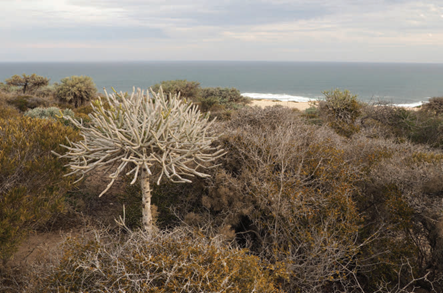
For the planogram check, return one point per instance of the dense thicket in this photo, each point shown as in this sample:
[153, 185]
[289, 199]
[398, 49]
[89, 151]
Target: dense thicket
[160, 262]
[32, 184]
[220, 101]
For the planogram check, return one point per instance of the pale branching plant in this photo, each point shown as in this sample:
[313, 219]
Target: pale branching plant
[143, 133]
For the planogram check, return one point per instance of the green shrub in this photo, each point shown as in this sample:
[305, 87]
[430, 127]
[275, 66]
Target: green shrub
[341, 110]
[187, 89]
[162, 262]
[48, 113]
[5, 88]
[31, 178]
[29, 83]
[46, 91]
[76, 90]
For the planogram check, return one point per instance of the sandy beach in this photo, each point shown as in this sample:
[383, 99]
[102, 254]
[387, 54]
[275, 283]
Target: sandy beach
[265, 103]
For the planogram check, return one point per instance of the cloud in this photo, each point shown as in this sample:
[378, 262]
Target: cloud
[84, 33]
[224, 29]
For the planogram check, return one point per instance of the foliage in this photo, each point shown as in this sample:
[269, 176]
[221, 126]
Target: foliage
[31, 179]
[187, 89]
[329, 209]
[76, 90]
[212, 99]
[389, 121]
[46, 91]
[162, 262]
[29, 82]
[435, 105]
[297, 190]
[24, 103]
[6, 110]
[49, 113]
[6, 88]
[341, 110]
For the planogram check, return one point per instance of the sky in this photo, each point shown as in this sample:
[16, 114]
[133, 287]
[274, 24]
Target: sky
[243, 30]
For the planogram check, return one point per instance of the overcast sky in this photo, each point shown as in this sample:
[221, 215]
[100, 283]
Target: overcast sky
[280, 30]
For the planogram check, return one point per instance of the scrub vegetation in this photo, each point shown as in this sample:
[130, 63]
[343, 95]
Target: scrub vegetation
[343, 197]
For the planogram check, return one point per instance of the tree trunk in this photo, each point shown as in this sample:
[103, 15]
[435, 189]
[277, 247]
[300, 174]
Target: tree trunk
[146, 202]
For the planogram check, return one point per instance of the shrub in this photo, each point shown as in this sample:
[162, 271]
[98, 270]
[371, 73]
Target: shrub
[5, 88]
[49, 113]
[423, 127]
[6, 110]
[435, 105]
[161, 262]
[31, 178]
[341, 110]
[301, 195]
[187, 89]
[76, 90]
[45, 92]
[293, 185]
[29, 82]
[224, 95]
[24, 103]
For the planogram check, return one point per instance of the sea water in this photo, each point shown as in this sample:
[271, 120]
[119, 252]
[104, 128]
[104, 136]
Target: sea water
[399, 83]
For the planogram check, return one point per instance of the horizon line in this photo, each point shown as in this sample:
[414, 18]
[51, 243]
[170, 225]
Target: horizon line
[220, 61]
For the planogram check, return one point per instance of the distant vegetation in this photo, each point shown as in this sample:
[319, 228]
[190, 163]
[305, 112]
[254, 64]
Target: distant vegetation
[28, 83]
[76, 90]
[343, 197]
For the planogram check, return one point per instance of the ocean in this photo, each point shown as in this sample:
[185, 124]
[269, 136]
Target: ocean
[398, 83]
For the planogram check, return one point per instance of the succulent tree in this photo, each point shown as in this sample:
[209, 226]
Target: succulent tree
[151, 136]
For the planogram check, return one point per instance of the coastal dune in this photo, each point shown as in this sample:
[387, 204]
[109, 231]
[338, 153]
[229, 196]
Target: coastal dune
[291, 104]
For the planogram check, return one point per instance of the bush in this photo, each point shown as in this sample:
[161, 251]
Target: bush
[162, 262]
[290, 183]
[341, 110]
[5, 88]
[435, 106]
[227, 97]
[32, 184]
[389, 121]
[49, 113]
[187, 89]
[29, 83]
[6, 110]
[326, 207]
[76, 90]
[45, 92]
[24, 103]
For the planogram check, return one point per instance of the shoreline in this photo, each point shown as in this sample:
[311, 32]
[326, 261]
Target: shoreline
[291, 104]
[302, 105]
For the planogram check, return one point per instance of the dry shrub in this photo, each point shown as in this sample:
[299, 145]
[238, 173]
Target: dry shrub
[435, 106]
[24, 103]
[413, 176]
[340, 110]
[7, 110]
[304, 196]
[177, 261]
[287, 190]
[389, 121]
[31, 178]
